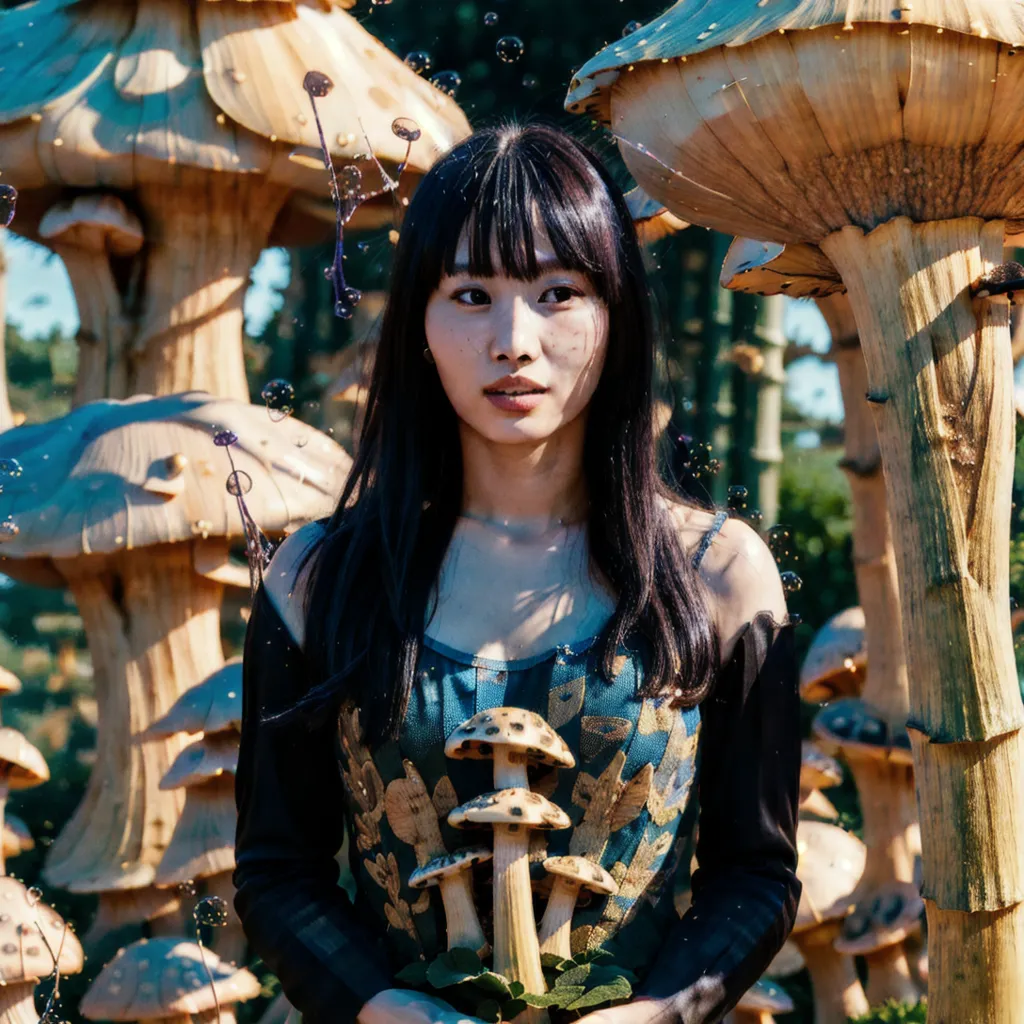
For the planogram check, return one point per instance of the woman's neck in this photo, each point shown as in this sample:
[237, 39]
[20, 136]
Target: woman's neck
[529, 485]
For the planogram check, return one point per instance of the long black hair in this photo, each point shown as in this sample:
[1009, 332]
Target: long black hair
[374, 575]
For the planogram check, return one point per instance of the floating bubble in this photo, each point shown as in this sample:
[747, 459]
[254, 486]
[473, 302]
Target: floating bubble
[791, 583]
[352, 296]
[363, 246]
[33, 894]
[328, 272]
[225, 438]
[530, 81]
[8, 204]
[380, 3]
[755, 517]
[186, 888]
[343, 310]
[9, 529]
[211, 910]
[491, 19]
[316, 83]
[447, 81]
[420, 61]
[406, 129]
[509, 49]
[350, 180]
[737, 497]
[238, 483]
[10, 469]
[631, 27]
[279, 396]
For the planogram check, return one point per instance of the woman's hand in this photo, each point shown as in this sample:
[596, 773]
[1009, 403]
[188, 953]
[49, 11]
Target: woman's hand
[400, 1006]
[638, 1011]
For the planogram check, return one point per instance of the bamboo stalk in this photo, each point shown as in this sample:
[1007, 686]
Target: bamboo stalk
[940, 384]
[767, 451]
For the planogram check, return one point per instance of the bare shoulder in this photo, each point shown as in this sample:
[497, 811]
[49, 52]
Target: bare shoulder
[738, 569]
[286, 577]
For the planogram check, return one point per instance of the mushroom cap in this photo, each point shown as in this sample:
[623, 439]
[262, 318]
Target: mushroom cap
[90, 480]
[650, 218]
[24, 955]
[818, 770]
[853, 726]
[211, 706]
[830, 866]
[741, 118]
[890, 915]
[518, 731]
[17, 838]
[28, 766]
[9, 683]
[154, 978]
[207, 758]
[789, 960]
[837, 658]
[766, 996]
[448, 864]
[203, 841]
[99, 223]
[769, 268]
[589, 874]
[511, 807]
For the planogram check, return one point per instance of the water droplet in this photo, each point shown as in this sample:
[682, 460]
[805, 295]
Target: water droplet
[187, 888]
[420, 61]
[755, 518]
[491, 19]
[316, 83]
[737, 497]
[279, 396]
[225, 438]
[350, 180]
[33, 894]
[406, 129]
[630, 27]
[343, 311]
[10, 468]
[238, 483]
[447, 81]
[8, 529]
[211, 910]
[509, 49]
[791, 583]
[8, 203]
[352, 296]
[363, 246]
[530, 81]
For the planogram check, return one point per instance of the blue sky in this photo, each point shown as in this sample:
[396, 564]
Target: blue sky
[39, 295]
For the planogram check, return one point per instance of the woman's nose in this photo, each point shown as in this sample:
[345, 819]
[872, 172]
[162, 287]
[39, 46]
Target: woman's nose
[516, 337]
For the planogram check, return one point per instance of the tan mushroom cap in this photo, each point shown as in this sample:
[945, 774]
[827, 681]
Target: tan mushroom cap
[448, 864]
[91, 480]
[892, 915]
[207, 758]
[837, 658]
[818, 770]
[154, 978]
[652, 220]
[28, 767]
[766, 996]
[589, 875]
[770, 268]
[519, 731]
[211, 706]
[789, 960]
[830, 866]
[9, 683]
[512, 807]
[24, 922]
[17, 838]
[98, 223]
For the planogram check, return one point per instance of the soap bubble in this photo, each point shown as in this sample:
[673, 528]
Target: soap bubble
[491, 19]
[10, 469]
[8, 204]
[630, 28]
[316, 83]
[530, 81]
[9, 529]
[791, 583]
[737, 497]
[406, 129]
[186, 888]
[211, 910]
[350, 180]
[420, 61]
[225, 438]
[509, 49]
[447, 81]
[279, 395]
[238, 483]
[33, 894]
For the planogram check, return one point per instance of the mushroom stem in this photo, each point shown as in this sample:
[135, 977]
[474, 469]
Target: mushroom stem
[115, 910]
[838, 994]
[889, 976]
[509, 769]
[941, 384]
[204, 233]
[556, 925]
[516, 947]
[4, 789]
[461, 919]
[17, 1003]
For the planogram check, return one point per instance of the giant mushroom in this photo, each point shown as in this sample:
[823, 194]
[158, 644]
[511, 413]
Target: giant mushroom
[887, 134]
[126, 504]
[193, 117]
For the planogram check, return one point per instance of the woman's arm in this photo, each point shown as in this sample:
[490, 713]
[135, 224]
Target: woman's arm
[745, 892]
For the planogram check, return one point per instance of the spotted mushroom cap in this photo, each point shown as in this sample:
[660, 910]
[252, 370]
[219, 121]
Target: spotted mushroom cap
[818, 770]
[837, 658]
[513, 728]
[207, 758]
[448, 864]
[765, 996]
[590, 875]
[770, 268]
[164, 977]
[213, 705]
[830, 866]
[17, 838]
[509, 807]
[28, 767]
[9, 683]
[24, 923]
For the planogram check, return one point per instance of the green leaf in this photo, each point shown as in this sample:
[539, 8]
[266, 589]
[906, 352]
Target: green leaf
[414, 974]
[453, 968]
[511, 1009]
[553, 960]
[492, 984]
[619, 989]
[575, 976]
[601, 974]
[467, 960]
[489, 1010]
[516, 989]
[558, 997]
[588, 956]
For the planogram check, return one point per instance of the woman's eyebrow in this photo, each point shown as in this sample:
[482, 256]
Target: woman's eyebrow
[544, 265]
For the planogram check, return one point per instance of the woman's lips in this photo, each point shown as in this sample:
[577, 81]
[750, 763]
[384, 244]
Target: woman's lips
[522, 401]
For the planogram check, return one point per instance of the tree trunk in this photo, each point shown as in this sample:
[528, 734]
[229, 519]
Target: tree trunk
[767, 451]
[153, 627]
[940, 382]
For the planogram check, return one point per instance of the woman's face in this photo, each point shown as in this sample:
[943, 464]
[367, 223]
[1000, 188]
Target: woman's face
[518, 359]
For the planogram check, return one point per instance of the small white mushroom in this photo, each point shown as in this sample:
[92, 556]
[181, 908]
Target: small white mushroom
[21, 767]
[451, 873]
[571, 875]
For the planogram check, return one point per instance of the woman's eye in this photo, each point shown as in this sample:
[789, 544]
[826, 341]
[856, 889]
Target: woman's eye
[472, 297]
[559, 293]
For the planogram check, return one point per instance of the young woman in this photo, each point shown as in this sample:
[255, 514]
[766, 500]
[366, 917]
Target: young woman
[504, 540]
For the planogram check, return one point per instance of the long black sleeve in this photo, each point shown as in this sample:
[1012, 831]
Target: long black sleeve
[745, 891]
[290, 827]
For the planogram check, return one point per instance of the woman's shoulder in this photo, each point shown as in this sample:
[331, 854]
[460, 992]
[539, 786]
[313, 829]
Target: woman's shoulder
[286, 578]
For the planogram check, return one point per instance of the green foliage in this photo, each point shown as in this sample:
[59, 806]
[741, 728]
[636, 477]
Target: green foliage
[40, 373]
[895, 1013]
